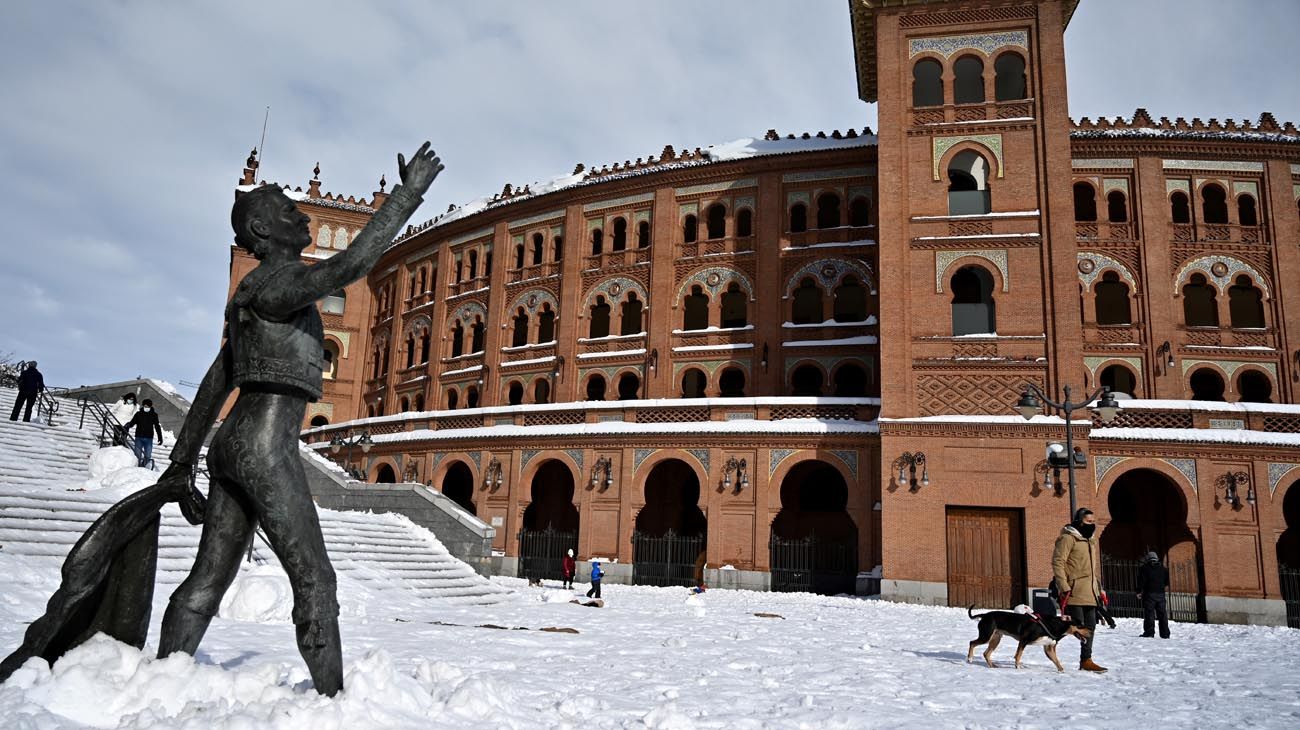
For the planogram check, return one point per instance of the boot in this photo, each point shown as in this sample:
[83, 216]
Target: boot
[321, 649]
[182, 630]
[1088, 665]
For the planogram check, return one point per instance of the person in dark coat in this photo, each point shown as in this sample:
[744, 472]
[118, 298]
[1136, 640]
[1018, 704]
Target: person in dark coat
[568, 566]
[30, 382]
[1153, 579]
[146, 425]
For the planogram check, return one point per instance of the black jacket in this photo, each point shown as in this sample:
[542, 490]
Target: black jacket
[1153, 578]
[146, 424]
[30, 381]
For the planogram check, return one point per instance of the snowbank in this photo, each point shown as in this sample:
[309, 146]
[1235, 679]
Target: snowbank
[114, 469]
[260, 594]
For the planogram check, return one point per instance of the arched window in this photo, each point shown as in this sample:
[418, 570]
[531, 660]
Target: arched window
[324, 236]
[860, 212]
[331, 355]
[1206, 385]
[374, 373]
[1116, 207]
[370, 410]
[927, 83]
[968, 81]
[806, 380]
[596, 387]
[487, 262]
[850, 381]
[539, 243]
[515, 394]
[828, 210]
[557, 244]
[744, 223]
[479, 331]
[341, 238]
[1085, 202]
[519, 337]
[1120, 380]
[473, 264]
[643, 234]
[693, 382]
[968, 176]
[383, 366]
[453, 398]
[542, 391]
[1112, 300]
[1245, 304]
[424, 345]
[690, 229]
[1247, 215]
[459, 273]
[620, 234]
[695, 310]
[850, 301]
[410, 349]
[419, 402]
[318, 421]
[716, 221]
[798, 218]
[519, 256]
[1199, 307]
[807, 304]
[1009, 81]
[403, 405]
[631, 315]
[973, 309]
[471, 397]
[457, 339]
[1179, 209]
[734, 302]
[546, 324]
[423, 280]
[1214, 204]
[1254, 387]
[731, 383]
[597, 242]
[629, 386]
[599, 326]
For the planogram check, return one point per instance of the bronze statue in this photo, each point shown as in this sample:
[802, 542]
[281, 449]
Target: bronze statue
[274, 354]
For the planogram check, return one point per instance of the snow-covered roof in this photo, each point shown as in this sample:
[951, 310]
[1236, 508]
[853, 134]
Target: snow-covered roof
[1204, 435]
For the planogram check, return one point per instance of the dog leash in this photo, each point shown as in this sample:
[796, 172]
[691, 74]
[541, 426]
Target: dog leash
[1039, 620]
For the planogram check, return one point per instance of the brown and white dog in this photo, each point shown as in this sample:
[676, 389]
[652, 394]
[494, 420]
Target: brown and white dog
[1026, 628]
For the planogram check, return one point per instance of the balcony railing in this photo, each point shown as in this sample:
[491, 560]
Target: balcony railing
[714, 246]
[839, 234]
[533, 271]
[617, 259]
[1216, 233]
[967, 113]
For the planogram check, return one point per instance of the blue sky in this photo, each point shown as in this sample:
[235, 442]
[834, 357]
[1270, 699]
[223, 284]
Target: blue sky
[126, 124]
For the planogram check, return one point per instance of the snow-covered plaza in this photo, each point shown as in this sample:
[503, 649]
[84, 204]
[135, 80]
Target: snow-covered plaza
[652, 657]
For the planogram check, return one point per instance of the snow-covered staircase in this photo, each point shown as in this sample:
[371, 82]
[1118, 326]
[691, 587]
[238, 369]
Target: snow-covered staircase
[40, 518]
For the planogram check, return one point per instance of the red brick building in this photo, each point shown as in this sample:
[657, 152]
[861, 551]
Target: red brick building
[740, 351]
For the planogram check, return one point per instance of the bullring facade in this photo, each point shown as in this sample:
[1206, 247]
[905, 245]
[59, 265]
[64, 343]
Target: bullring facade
[734, 356]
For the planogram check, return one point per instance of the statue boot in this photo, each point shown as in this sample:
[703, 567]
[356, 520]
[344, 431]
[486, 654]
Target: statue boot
[182, 630]
[322, 650]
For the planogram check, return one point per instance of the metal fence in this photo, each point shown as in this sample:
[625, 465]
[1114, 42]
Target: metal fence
[1291, 594]
[1184, 599]
[541, 553]
[665, 560]
[814, 565]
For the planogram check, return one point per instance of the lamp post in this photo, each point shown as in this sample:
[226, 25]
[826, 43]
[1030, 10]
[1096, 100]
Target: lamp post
[1033, 400]
[1228, 484]
[363, 440]
[741, 468]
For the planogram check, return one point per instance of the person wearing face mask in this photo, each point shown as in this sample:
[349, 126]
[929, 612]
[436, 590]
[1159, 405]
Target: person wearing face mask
[1076, 566]
[123, 411]
[146, 425]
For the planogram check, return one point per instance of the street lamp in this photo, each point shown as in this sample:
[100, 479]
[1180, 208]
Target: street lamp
[741, 468]
[1033, 400]
[492, 475]
[338, 442]
[910, 461]
[604, 465]
[1229, 482]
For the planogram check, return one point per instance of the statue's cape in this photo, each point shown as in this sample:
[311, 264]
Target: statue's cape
[108, 583]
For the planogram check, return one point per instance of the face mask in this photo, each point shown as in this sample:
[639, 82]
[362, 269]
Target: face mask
[1087, 530]
[147, 409]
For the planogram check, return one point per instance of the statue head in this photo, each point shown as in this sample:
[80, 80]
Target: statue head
[265, 218]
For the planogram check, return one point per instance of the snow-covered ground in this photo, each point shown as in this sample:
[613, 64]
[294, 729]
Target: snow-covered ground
[658, 658]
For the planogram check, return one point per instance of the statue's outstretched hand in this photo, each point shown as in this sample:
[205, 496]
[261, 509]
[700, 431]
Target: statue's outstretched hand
[420, 172]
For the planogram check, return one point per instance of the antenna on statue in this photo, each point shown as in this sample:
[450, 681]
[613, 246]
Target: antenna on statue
[261, 147]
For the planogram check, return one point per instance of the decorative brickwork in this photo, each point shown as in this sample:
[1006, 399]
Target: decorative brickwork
[971, 393]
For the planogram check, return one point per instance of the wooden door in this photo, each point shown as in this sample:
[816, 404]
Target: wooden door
[986, 557]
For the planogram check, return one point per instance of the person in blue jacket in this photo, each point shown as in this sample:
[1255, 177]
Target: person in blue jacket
[596, 575]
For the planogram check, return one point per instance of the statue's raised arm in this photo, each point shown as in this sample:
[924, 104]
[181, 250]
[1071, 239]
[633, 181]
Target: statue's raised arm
[292, 293]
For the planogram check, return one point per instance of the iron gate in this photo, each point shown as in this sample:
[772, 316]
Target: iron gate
[541, 552]
[811, 565]
[1291, 594]
[667, 560]
[1183, 600]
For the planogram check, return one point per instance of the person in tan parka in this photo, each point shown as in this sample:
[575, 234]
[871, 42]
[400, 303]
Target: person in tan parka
[1076, 568]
